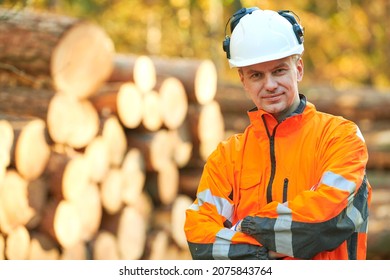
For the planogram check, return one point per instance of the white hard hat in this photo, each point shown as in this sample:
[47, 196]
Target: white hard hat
[262, 35]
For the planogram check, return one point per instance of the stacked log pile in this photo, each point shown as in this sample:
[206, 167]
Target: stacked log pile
[367, 108]
[100, 152]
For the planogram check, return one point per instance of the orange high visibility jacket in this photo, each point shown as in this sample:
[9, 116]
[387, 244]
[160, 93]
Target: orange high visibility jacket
[298, 186]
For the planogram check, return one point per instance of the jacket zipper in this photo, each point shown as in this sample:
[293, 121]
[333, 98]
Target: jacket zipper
[285, 189]
[272, 158]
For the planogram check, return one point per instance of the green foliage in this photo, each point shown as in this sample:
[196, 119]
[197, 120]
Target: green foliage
[346, 41]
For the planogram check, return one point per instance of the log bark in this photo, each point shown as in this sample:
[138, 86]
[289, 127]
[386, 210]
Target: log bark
[105, 99]
[199, 77]
[42, 247]
[2, 247]
[137, 69]
[157, 245]
[163, 185]
[25, 101]
[38, 192]
[68, 54]
[156, 147]
[61, 221]
[6, 143]
[189, 180]
[123, 68]
[182, 145]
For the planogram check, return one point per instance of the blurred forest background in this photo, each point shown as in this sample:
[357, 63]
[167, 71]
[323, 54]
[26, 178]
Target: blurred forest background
[346, 41]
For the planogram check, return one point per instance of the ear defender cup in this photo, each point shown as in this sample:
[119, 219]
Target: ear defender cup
[297, 28]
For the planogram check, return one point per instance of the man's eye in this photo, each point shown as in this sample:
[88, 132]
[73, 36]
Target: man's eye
[255, 76]
[280, 71]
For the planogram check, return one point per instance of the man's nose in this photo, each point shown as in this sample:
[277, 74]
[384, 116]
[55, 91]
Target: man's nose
[270, 83]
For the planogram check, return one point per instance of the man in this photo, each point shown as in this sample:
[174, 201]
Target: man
[293, 184]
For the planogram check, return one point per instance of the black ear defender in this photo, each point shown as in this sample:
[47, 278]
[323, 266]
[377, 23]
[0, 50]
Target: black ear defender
[292, 18]
[234, 20]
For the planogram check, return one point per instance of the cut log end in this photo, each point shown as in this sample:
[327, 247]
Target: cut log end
[206, 82]
[82, 60]
[130, 105]
[174, 102]
[32, 150]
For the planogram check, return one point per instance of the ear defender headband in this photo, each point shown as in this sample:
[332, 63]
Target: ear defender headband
[297, 28]
[235, 19]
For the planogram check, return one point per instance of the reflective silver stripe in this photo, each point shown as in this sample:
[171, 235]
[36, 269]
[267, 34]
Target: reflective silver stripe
[334, 180]
[222, 243]
[354, 214]
[194, 206]
[363, 227]
[359, 134]
[282, 228]
[223, 206]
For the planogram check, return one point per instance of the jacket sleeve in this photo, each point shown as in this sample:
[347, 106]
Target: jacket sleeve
[210, 217]
[328, 214]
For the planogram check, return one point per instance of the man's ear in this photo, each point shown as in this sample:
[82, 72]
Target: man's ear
[300, 69]
[241, 74]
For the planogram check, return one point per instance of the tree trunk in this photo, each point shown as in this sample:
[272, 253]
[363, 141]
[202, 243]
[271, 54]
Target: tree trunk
[72, 56]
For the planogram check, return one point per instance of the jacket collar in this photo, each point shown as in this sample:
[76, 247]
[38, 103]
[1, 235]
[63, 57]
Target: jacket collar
[293, 121]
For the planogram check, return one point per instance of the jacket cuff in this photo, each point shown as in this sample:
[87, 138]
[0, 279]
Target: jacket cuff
[248, 226]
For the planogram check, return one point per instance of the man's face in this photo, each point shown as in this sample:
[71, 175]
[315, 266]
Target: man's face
[273, 85]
